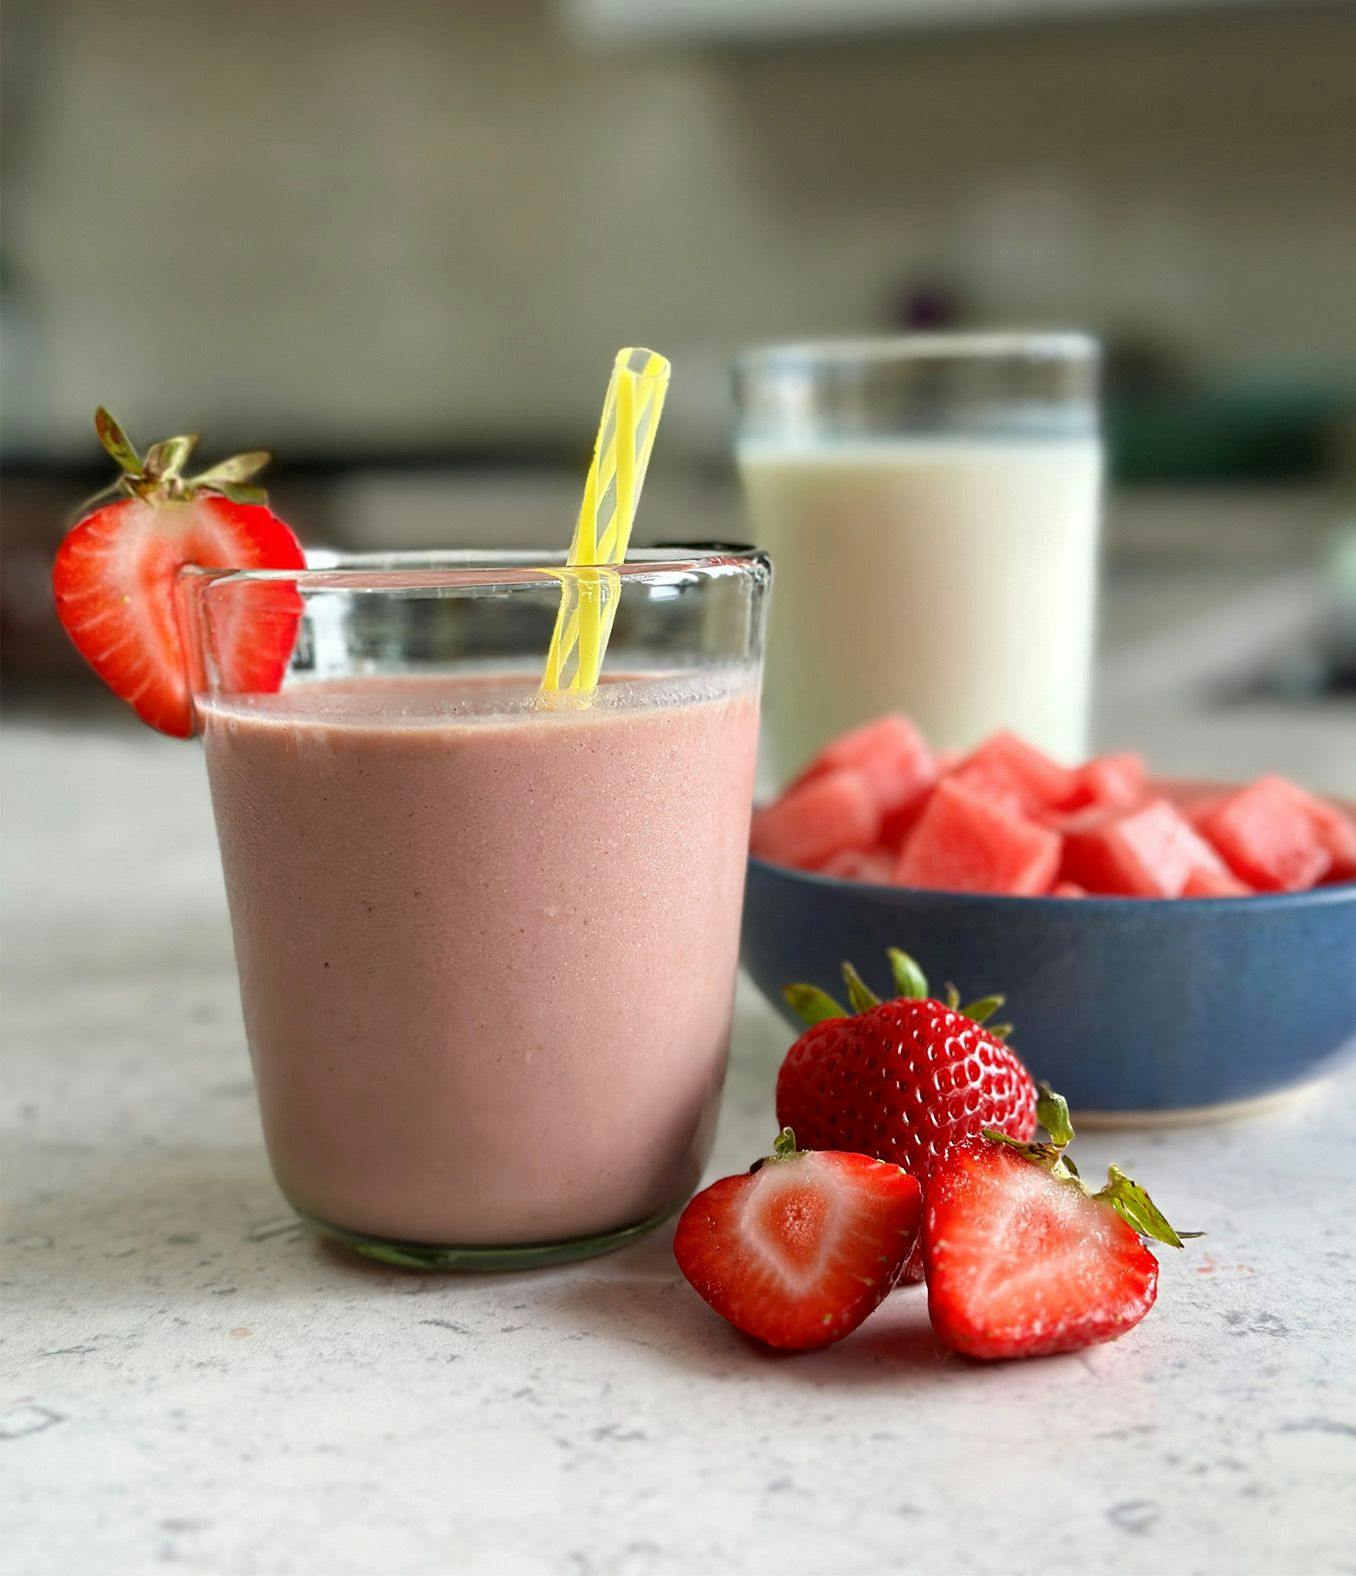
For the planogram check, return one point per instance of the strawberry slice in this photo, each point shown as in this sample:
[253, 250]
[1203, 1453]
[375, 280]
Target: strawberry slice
[1023, 1260]
[800, 1250]
[115, 575]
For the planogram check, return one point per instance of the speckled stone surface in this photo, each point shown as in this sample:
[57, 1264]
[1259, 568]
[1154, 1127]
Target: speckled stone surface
[189, 1382]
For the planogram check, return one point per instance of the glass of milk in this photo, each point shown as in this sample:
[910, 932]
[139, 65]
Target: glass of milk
[931, 503]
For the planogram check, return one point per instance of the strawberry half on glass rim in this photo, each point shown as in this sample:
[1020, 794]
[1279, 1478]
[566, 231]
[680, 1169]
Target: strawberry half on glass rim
[116, 572]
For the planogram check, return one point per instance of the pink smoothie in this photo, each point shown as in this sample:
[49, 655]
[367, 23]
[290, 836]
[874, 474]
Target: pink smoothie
[487, 951]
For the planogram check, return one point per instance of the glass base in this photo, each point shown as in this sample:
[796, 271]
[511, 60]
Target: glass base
[487, 1256]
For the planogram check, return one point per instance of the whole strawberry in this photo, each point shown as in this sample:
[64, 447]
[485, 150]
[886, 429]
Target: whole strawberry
[902, 1080]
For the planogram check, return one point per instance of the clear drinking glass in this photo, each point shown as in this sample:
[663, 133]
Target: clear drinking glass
[486, 941]
[932, 504]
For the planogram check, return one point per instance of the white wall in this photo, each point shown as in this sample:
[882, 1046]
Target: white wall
[433, 219]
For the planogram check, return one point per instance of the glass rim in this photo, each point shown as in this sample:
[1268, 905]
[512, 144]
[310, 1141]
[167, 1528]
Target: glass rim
[474, 567]
[943, 345]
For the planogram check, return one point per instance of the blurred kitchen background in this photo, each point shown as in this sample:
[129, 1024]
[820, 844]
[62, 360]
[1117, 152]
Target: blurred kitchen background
[398, 243]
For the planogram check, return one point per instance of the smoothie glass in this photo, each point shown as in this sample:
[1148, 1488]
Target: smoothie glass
[486, 939]
[932, 503]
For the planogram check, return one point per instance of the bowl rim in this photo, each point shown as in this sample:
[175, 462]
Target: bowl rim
[1333, 892]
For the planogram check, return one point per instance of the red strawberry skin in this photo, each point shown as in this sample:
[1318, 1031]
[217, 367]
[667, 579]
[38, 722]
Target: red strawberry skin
[1020, 1264]
[799, 1251]
[114, 581]
[903, 1081]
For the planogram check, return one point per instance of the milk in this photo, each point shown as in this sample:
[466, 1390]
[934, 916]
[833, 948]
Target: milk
[950, 578]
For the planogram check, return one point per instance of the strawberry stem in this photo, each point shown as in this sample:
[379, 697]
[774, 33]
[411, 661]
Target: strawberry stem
[783, 1148]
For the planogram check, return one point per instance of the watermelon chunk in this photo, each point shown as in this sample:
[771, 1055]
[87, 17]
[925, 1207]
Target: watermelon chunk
[1338, 833]
[1115, 781]
[815, 820]
[899, 821]
[993, 781]
[964, 842]
[1017, 776]
[1275, 836]
[1068, 889]
[1213, 883]
[874, 865]
[889, 754]
[1151, 851]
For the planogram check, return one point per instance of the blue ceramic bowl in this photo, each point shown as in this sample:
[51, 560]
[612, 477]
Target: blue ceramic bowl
[1129, 1007]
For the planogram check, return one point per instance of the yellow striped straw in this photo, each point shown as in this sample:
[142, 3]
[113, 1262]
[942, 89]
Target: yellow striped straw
[621, 456]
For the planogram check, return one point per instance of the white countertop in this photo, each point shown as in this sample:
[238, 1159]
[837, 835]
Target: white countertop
[189, 1381]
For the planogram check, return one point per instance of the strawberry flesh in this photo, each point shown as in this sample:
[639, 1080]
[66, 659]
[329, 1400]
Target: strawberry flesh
[115, 577]
[799, 1252]
[1020, 1263]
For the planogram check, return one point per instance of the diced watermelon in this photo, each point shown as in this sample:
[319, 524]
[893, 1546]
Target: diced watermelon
[890, 755]
[1274, 835]
[1145, 852]
[1116, 781]
[815, 820]
[897, 823]
[1191, 798]
[1215, 883]
[1016, 775]
[1084, 820]
[1068, 889]
[965, 842]
[875, 865]
[1338, 832]
[993, 780]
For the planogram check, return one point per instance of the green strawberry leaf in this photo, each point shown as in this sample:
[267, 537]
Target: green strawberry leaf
[910, 981]
[239, 468]
[238, 494]
[862, 997]
[1052, 1112]
[812, 1005]
[984, 1008]
[170, 455]
[1138, 1210]
[116, 442]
